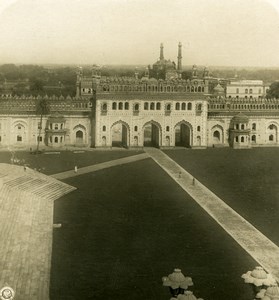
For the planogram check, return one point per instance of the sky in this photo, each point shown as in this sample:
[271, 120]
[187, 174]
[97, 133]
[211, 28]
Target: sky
[106, 32]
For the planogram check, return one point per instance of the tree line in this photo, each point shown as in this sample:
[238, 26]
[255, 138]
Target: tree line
[61, 80]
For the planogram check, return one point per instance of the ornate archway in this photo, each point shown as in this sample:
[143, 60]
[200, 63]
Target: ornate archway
[152, 134]
[183, 134]
[80, 134]
[217, 135]
[120, 132]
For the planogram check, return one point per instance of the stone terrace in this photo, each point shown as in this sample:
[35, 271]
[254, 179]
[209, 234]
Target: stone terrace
[26, 224]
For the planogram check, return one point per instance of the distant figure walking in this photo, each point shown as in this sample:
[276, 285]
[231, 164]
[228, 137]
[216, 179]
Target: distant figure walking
[179, 176]
[193, 181]
[24, 167]
[76, 169]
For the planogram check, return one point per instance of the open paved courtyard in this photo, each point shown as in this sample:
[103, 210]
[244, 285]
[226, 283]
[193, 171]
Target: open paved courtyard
[129, 223]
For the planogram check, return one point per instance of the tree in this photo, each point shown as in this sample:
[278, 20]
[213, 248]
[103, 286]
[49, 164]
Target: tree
[36, 86]
[42, 109]
[273, 91]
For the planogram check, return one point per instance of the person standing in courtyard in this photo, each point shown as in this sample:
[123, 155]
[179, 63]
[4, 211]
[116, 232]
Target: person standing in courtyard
[76, 169]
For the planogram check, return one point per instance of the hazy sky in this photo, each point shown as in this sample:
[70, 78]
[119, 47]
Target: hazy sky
[213, 32]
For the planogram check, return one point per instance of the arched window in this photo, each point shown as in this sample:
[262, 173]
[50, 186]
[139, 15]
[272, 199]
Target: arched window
[242, 126]
[183, 106]
[56, 139]
[271, 137]
[246, 91]
[104, 128]
[136, 128]
[242, 139]
[145, 105]
[250, 91]
[120, 105]
[192, 89]
[114, 105]
[189, 106]
[126, 106]
[168, 107]
[199, 89]
[104, 107]
[199, 107]
[19, 138]
[254, 126]
[236, 139]
[177, 106]
[237, 126]
[152, 106]
[167, 128]
[136, 107]
[158, 106]
[253, 138]
[199, 128]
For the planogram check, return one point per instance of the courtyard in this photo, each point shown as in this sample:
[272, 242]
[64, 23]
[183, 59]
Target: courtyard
[125, 227]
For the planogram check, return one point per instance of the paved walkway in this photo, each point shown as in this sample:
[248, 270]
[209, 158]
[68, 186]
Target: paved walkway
[264, 251]
[26, 225]
[97, 167]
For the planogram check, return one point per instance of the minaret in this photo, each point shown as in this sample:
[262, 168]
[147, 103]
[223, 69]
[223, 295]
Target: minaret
[179, 60]
[78, 83]
[179, 57]
[161, 51]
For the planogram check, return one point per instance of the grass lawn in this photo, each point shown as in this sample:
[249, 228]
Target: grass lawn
[127, 226]
[66, 160]
[247, 180]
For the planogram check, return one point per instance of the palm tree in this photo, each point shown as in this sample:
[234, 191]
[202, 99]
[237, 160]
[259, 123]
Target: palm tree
[42, 109]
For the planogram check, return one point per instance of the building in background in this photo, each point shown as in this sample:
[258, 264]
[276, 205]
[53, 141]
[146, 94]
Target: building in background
[160, 109]
[246, 89]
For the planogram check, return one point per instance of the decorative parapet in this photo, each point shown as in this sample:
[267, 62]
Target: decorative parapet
[28, 104]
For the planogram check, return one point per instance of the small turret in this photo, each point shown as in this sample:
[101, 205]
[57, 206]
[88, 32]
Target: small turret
[194, 71]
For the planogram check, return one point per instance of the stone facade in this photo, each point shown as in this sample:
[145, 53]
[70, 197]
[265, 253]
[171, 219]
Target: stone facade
[136, 112]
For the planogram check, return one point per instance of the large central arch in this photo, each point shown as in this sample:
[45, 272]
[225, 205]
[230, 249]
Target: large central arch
[120, 134]
[183, 134]
[152, 134]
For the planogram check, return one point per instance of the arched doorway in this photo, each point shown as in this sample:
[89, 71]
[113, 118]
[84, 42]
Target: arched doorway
[151, 135]
[136, 141]
[79, 137]
[119, 135]
[182, 135]
[216, 137]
